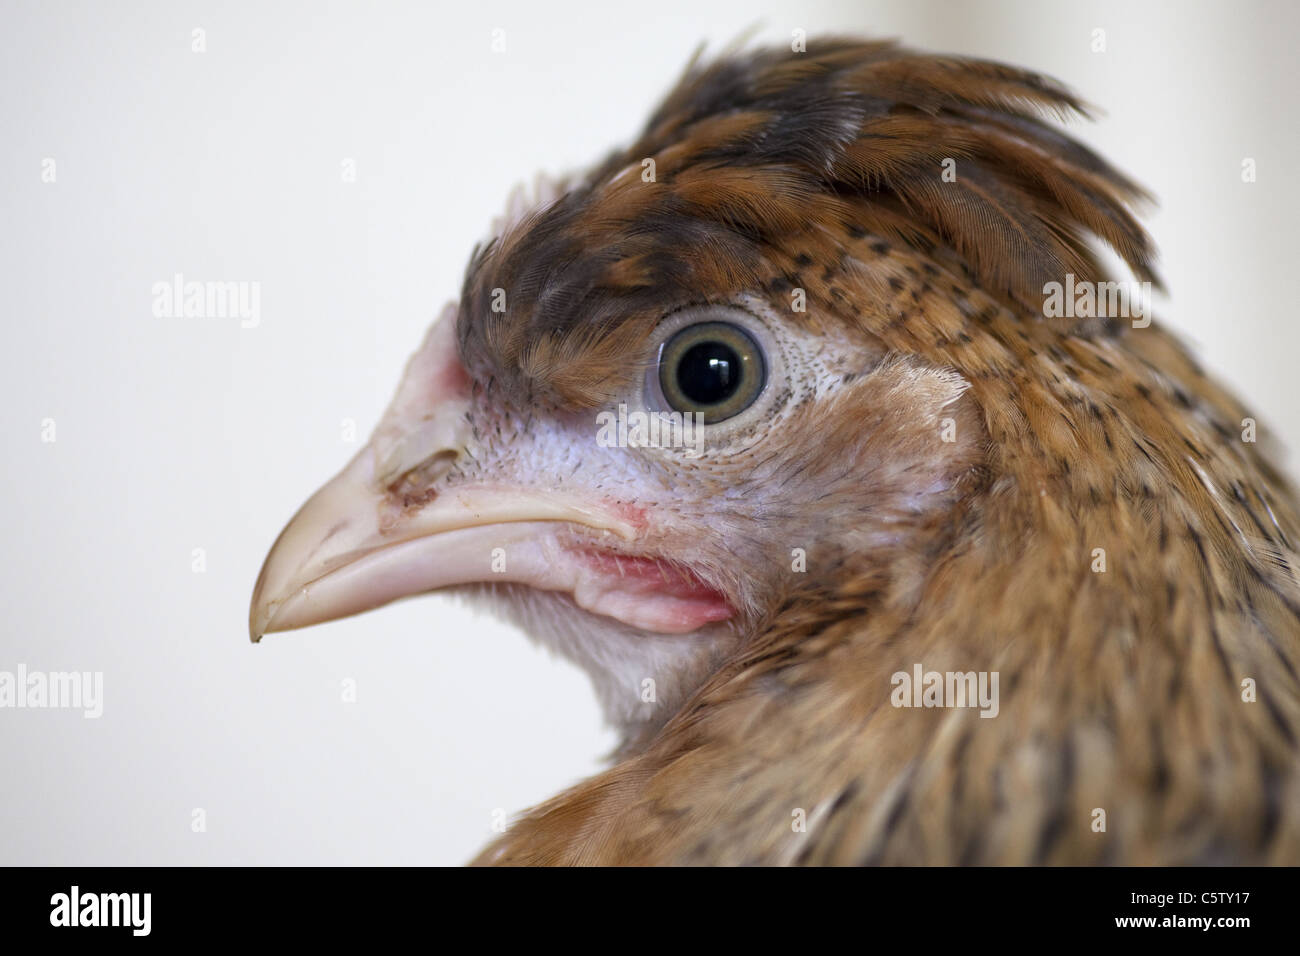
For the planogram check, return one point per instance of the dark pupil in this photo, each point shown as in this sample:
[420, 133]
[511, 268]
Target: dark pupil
[709, 373]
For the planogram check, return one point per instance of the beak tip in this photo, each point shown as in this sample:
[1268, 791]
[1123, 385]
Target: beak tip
[256, 613]
[259, 618]
[264, 619]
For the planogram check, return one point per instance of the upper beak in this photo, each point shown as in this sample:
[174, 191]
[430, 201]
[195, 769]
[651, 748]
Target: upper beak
[359, 543]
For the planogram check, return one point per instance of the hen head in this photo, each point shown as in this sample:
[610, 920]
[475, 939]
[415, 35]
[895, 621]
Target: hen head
[767, 407]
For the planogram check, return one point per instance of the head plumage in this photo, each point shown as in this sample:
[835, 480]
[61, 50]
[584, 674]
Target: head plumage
[758, 151]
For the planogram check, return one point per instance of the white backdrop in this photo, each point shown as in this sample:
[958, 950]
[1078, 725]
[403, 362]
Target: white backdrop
[180, 434]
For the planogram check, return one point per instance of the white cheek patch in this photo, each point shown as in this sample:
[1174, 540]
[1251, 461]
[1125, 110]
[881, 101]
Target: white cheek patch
[603, 576]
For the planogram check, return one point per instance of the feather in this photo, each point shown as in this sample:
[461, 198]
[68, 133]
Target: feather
[751, 148]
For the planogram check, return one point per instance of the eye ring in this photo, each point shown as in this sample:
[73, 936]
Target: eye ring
[713, 369]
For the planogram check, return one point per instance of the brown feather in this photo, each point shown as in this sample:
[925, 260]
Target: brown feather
[749, 150]
[1122, 690]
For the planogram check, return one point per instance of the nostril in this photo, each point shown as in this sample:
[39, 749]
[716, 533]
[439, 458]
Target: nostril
[432, 445]
[415, 485]
[441, 463]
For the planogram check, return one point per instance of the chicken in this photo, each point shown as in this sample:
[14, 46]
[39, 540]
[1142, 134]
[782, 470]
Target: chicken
[766, 422]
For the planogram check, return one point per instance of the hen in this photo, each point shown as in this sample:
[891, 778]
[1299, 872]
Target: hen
[873, 556]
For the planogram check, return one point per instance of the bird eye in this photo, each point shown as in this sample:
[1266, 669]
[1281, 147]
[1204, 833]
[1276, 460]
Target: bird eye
[714, 369]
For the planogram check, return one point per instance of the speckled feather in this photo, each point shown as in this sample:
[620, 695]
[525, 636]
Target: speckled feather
[1120, 690]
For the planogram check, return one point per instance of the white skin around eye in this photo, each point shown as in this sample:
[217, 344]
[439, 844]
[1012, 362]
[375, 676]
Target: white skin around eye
[800, 367]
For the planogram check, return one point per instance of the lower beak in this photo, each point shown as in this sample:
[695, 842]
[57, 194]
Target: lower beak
[353, 546]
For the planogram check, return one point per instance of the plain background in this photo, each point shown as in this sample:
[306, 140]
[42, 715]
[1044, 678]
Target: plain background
[177, 434]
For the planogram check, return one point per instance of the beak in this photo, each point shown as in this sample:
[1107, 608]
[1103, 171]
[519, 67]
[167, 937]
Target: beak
[378, 531]
[338, 556]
